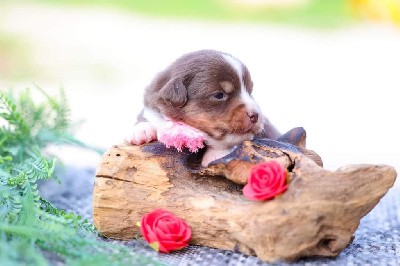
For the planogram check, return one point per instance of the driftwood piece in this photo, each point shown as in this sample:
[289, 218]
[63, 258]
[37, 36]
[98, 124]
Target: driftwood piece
[317, 215]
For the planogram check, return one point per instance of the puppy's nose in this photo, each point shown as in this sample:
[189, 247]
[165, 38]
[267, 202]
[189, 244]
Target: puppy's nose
[253, 117]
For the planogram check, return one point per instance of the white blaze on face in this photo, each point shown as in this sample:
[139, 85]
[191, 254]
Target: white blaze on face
[251, 105]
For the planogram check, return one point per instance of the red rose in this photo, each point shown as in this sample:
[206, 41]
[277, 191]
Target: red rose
[266, 181]
[164, 231]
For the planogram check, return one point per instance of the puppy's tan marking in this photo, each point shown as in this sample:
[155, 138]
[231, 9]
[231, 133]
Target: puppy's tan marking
[227, 86]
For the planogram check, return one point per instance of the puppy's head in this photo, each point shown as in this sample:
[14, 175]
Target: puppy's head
[211, 91]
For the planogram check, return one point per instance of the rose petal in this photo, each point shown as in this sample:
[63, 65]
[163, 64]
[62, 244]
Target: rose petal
[166, 224]
[183, 227]
[183, 235]
[248, 192]
[162, 248]
[161, 236]
[160, 217]
[155, 214]
[148, 234]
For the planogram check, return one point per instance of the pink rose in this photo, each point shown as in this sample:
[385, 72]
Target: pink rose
[164, 231]
[266, 180]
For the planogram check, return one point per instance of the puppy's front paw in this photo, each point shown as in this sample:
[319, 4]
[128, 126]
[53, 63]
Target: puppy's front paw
[143, 132]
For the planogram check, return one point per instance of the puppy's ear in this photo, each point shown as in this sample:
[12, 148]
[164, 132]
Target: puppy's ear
[174, 93]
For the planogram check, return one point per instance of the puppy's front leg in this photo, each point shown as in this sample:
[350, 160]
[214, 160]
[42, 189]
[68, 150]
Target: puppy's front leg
[212, 154]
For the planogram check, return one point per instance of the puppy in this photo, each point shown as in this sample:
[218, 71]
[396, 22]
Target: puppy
[210, 91]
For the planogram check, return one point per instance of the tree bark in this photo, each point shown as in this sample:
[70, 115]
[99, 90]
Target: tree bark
[316, 216]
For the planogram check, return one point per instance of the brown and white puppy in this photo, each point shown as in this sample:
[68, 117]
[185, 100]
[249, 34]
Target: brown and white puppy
[208, 90]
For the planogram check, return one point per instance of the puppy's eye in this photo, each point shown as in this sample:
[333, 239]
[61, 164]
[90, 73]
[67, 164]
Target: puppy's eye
[219, 96]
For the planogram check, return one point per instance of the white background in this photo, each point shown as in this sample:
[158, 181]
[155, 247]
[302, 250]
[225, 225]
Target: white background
[341, 85]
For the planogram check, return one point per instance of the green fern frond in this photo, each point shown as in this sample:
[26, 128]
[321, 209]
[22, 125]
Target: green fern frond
[39, 168]
[13, 119]
[61, 110]
[55, 214]
[30, 225]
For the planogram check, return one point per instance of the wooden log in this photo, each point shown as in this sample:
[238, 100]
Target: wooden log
[316, 216]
